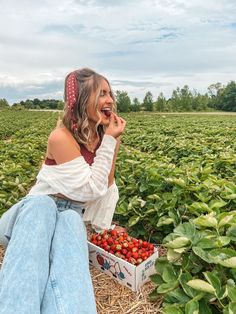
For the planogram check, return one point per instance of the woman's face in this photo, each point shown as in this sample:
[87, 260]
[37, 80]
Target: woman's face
[104, 105]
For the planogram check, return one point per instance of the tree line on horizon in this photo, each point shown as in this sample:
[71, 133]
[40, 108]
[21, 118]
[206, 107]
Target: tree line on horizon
[218, 97]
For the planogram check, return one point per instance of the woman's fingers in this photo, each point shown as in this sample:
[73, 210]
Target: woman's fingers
[116, 125]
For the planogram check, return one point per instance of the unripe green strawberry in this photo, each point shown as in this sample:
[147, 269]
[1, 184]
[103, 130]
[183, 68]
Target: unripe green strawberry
[140, 242]
[125, 245]
[106, 236]
[118, 247]
[118, 254]
[132, 260]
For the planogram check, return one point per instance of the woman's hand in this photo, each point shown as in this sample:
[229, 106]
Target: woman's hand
[116, 126]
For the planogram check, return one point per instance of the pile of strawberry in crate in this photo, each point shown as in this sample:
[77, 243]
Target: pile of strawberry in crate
[123, 246]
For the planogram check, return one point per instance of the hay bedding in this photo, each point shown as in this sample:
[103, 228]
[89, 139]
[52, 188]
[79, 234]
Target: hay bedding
[113, 298]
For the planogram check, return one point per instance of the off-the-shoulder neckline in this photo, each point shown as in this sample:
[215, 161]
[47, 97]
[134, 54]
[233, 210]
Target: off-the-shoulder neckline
[65, 163]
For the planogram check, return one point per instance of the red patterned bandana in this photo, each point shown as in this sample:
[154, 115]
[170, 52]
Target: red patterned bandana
[71, 98]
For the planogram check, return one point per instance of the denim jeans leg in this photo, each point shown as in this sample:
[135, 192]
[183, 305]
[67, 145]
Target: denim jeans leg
[69, 284]
[25, 269]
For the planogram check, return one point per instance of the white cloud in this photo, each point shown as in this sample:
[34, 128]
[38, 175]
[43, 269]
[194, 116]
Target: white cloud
[144, 45]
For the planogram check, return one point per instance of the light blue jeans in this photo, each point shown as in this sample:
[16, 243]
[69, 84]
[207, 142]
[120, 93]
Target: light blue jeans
[46, 267]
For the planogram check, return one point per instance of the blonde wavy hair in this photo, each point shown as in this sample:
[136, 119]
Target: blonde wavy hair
[89, 82]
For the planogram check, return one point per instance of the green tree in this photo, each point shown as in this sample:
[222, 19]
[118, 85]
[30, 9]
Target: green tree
[186, 98]
[148, 101]
[200, 102]
[227, 98]
[214, 92]
[4, 103]
[123, 101]
[28, 104]
[60, 105]
[36, 103]
[135, 106]
[175, 100]
[17, 106]
[161, 103]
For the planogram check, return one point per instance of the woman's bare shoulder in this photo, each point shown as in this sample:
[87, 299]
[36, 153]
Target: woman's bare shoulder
[60, 134]
[62, 146]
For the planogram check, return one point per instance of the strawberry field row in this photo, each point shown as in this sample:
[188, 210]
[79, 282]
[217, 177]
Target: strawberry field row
[22, 149]
[173, 168]
[177, 183]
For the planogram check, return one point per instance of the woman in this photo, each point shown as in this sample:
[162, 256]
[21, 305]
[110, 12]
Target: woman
[45, 268]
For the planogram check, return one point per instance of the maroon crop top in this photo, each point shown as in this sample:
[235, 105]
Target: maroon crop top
[88, 156]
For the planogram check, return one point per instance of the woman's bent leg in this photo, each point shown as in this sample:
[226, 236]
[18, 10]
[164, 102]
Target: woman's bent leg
[25, 268]
[69, 284]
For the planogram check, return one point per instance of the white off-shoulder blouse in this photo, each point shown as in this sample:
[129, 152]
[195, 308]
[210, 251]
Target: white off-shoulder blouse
[79, 181]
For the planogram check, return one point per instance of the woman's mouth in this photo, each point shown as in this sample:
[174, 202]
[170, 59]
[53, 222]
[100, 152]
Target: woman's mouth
[106, 111]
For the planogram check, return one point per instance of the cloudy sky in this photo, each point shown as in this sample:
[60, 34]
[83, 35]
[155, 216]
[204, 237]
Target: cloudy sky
[139, 45]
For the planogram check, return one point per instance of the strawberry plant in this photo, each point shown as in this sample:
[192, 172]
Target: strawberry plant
[23, 143]
[176, 176]
[199, 273]
[173, 168]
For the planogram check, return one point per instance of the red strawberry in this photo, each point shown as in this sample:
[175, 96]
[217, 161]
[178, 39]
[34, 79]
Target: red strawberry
[107, 248]
[114, 233]
[134, 249]
[121, 239]
[131, 246]
[151, 246]
[110, 241]
[124, 251]
[145, 244]
[129, 254]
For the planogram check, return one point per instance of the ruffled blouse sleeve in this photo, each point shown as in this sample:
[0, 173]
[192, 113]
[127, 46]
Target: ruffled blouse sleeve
[100, 212]
[79, 181]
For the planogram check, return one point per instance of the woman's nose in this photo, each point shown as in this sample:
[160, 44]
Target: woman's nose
[109, 99]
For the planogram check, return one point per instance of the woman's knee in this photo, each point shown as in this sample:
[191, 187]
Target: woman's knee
[42, 206]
